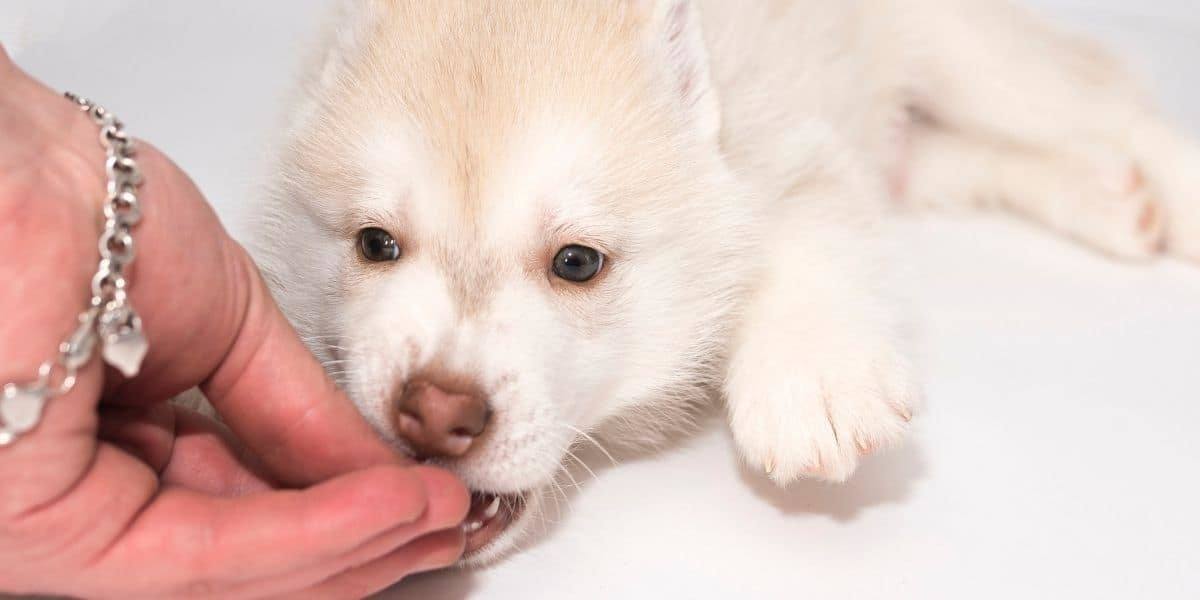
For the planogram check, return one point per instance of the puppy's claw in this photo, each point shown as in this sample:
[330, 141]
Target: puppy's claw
[818, 423]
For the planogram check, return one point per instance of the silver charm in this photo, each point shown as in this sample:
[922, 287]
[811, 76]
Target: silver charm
[21, 407]
[122, 342]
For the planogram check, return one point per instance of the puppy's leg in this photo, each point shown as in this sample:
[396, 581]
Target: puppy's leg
[816, 376]
[996, 73]
[1106, 205]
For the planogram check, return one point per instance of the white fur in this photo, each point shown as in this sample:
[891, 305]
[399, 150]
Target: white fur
[733, 160]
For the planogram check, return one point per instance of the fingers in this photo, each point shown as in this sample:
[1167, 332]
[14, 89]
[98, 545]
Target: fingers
[225, 543]
[147, 433]
[432, 552]
[436, 550]
[386, 559]
[207, 458]
[120, 530]
[185, 448]
[448, 505]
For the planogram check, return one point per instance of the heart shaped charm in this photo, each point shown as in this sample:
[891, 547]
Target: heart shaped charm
[124, 346]
[124, 351]
[21, 408]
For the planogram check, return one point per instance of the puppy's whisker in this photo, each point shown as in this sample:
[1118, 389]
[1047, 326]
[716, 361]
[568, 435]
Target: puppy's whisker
[557, 506]
[572, 456]
[591, 439]
[559, 484]
[567, 471]
[314, 338]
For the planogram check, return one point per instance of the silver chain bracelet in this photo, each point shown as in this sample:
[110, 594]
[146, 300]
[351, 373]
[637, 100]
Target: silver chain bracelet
[110, 320]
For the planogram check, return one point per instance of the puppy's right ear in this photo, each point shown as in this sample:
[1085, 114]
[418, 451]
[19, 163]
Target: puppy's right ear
[676, 39]
[351, 25]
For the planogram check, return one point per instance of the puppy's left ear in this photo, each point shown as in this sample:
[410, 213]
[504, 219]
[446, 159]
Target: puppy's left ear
[677, 39]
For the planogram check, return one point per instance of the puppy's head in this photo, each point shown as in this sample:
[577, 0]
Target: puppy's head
[501, 224]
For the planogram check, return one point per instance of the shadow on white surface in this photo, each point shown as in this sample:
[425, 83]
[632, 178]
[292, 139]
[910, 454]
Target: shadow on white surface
[887, 478]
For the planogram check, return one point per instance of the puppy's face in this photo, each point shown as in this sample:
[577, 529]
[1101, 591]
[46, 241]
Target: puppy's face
[502, 224]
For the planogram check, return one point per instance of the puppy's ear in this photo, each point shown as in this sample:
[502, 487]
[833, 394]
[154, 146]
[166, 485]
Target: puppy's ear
[676, 37]
[353, 20]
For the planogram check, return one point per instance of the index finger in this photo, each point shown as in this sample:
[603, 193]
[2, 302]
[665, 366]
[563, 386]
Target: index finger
[228, 543]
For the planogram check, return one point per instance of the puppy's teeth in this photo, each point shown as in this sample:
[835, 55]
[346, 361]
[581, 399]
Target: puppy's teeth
[769, 465]
[472, 527]
[492, 508]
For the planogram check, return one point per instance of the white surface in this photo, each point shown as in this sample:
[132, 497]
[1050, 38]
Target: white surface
[1057, 456]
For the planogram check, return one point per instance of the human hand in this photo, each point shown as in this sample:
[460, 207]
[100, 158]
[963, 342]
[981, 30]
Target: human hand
[120, 493]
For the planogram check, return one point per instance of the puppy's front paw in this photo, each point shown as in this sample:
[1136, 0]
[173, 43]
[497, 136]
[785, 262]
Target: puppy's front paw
[798, 418]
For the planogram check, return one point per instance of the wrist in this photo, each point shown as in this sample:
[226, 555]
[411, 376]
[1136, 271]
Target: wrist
[48, 138]
[108, 325]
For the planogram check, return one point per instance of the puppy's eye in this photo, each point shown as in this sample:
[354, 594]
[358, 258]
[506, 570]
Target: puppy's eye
[377, 245]
[578, 263]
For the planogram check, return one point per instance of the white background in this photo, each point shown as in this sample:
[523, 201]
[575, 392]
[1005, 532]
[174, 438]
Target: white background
[1058, 455]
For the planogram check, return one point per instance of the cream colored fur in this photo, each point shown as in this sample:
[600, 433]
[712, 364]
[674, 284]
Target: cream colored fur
[735, 161]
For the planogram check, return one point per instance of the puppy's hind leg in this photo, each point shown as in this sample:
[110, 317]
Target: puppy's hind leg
[996, 74]
[816, 377]
[1104, 206]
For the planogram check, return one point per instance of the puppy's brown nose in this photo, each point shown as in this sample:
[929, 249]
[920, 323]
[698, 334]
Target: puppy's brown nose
[438, 423]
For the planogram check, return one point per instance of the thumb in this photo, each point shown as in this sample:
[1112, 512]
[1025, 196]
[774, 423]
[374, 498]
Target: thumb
[210, 321]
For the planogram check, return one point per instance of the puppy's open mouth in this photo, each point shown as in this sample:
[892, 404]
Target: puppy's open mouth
[490, 516]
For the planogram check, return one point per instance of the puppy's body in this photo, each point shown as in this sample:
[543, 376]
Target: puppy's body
[731, 161]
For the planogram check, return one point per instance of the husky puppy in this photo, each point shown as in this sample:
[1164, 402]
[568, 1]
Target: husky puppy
[509, 225]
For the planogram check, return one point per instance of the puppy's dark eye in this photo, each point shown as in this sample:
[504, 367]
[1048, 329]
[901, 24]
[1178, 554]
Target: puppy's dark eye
[578, 263]
[377, 245]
